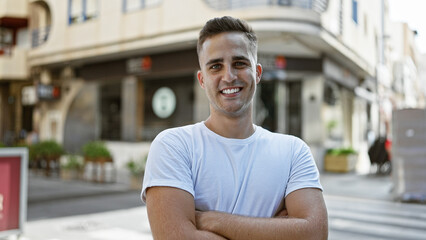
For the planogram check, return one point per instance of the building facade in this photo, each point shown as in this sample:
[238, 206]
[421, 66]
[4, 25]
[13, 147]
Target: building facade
[15, 108]
[124, 70]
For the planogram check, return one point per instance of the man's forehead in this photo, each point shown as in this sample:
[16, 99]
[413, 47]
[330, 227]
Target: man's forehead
[233, 38]
[229, 41]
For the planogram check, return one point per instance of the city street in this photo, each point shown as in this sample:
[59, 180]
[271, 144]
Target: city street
[354, 218]
[359, 206]
[209, 89]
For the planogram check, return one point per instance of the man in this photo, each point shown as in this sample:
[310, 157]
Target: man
[226, 178]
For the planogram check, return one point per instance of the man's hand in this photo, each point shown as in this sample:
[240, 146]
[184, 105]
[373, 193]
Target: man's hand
[206, 220]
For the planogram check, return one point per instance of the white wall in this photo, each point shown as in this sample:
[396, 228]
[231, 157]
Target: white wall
[312, 93]
[14, 8]
[359, 38]
[171, 25]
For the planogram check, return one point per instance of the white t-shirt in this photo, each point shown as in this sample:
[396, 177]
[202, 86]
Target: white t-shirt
[247, 177]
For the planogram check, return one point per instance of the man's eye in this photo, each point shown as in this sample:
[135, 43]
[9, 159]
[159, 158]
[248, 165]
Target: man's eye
[216, 66]
[240, 64]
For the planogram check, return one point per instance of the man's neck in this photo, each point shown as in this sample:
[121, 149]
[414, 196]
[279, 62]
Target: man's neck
[231, 127]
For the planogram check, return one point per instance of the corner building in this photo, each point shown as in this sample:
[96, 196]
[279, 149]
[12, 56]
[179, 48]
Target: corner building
[126, 69]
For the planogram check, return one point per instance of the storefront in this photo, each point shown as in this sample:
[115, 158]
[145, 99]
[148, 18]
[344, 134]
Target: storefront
[280, 97]
[132, 99]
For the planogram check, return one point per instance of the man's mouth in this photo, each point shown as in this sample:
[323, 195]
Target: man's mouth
[231, 90]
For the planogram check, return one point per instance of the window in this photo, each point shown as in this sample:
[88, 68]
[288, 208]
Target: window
[82, 10]
[111, 108]
[355, 11]
[6, 41]
[181, 111]
[91, 9]
[134, 5]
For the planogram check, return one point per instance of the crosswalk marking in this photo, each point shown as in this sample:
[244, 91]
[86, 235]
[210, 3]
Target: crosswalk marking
[352, 218]
[374, 218]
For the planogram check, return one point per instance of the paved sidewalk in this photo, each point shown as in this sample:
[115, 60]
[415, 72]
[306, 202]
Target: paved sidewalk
[129, 224]
[370, 186]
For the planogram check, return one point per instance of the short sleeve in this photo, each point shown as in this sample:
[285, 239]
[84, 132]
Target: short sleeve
[168, 164]
[304, 172]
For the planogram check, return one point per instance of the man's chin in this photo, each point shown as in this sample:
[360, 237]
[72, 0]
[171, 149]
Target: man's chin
[235, 112]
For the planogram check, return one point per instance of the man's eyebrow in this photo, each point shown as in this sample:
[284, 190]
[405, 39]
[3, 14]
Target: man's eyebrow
[213, 61]
[240, 58]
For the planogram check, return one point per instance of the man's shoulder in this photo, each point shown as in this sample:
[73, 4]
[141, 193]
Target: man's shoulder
[280, 138]
[274, 136]
[178, 133]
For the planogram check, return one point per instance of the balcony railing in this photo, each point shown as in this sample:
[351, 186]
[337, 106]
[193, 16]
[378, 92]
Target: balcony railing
[39, 36]
[315, 5]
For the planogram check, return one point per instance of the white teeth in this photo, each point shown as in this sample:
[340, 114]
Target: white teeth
[231, 90]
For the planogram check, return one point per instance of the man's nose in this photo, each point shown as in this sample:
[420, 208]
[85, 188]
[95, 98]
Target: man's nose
[229, 74]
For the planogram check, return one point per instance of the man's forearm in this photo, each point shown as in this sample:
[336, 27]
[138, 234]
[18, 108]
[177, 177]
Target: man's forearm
[239, 227]
[206, 235]
[185, 231]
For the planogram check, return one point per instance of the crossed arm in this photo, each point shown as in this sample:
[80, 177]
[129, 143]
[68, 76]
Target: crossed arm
[172, 215]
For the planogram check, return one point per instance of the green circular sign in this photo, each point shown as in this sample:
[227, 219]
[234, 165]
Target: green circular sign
[164, 102]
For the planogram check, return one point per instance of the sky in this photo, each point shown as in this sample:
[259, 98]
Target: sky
[413, 13]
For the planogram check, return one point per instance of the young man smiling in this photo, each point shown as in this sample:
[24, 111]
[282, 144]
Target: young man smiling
[226, 178]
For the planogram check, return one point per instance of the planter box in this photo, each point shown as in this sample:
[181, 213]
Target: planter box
[136, 182]
[71, 174]
[340, 163]
[98, 168]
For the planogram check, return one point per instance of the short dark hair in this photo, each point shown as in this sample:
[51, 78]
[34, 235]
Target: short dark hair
[226, 24]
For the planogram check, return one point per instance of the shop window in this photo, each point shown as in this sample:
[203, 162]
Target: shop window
[294, 109]
[134, 5]
[82, 10]
[167, 103]
[355, 11]
[266, 114]
[110, 106]
[330, 97]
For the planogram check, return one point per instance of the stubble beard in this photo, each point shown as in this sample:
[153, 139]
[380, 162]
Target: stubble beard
[233, 111]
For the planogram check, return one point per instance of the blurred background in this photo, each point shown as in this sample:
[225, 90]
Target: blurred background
[86, 85]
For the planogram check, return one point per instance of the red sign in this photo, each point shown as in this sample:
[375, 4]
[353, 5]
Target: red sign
[10, 185]
[280, 62]
[48, 92]
[139, 65]
[146, 63]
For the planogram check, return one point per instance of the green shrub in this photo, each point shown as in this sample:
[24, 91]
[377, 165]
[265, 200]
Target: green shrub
[49, 148]
[96, 149]
[73, 162]
[341, 151]
[137, 168]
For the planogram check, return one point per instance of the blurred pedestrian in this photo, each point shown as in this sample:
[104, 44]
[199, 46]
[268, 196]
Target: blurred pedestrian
[226, 178]
[32, 137]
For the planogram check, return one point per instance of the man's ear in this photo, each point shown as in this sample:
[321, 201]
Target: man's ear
[200, 78]
[259, 71]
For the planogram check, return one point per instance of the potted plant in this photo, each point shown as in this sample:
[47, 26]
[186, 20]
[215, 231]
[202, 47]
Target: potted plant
[97, 153]
[136, 170]
[340, 159]
[46, 153]
[72, 167]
